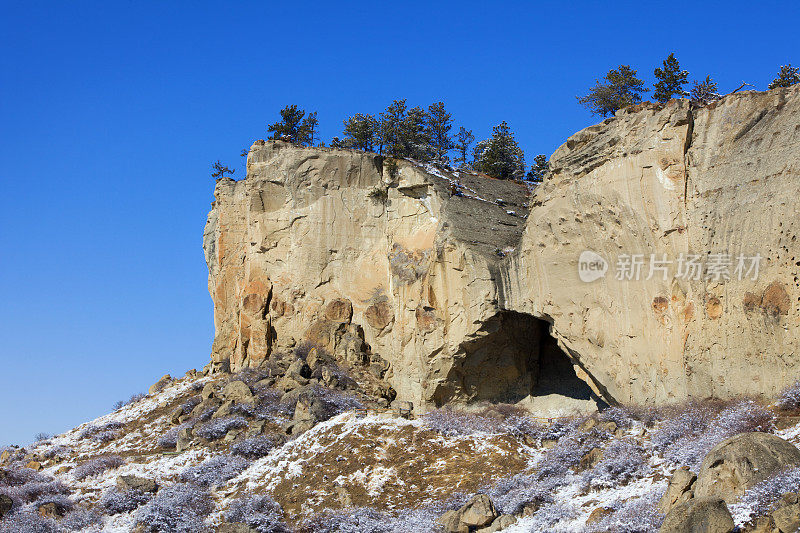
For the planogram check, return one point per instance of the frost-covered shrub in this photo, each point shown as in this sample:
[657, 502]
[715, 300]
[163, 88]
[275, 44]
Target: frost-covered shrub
[59, 500]
[219, 427]
[686, 438]
[525, 488]
[170, 439]
[550, 515]
[135, 398]
[179, 508]
[104, 433]
[262, 513]
[637, 515]
[790, 397]
[197, 386]
[254, 447]
[24, 485]
[335, 401]
[80, 520]
[190, 404]
[58, 451]
[243, 409]
[622, 461]
[369, 520]
[453, 423]
[621, 416]
[215, 470]
[250, 376]
[116, 501]
[96, 466]
[28, 521]
[567, 453]
[759, 499]
[40, 437]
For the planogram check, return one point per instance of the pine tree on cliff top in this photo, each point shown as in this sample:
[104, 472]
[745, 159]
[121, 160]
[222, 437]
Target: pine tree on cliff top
[500, 156]
[294, 126]
[619, 88]
[464, 139]
[439, 124]
[787, 77]
[671, 80]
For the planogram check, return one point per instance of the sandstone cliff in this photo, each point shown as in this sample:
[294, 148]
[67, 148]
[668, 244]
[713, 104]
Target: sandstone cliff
[447, 280]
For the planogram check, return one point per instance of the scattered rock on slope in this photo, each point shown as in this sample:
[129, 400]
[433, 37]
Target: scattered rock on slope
[702, 515]
[740, 462]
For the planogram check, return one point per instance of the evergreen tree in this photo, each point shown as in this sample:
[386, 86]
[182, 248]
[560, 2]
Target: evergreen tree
[671, 80]
[704, 92]
[620, 88]
[439, 124]
[415, 137]
[219, 170]
[361, 132]
[464, 140]
[309, 129]
[539, 169]
[288, 128]
[391, 128]
[787, 77]
[500, 156]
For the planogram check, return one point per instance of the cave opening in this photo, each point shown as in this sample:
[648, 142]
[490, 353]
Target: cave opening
[513, 358]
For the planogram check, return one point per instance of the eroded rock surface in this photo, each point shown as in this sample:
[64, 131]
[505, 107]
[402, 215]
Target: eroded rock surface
[448, 279]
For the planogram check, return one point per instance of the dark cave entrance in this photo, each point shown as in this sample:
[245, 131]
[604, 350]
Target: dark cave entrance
[514, 359]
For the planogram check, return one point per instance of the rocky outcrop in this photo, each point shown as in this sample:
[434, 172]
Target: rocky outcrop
[322, 247]
[738, 463]
[672, 182]
[446, 283]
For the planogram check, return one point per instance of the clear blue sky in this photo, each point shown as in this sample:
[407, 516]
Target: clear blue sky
[112, 112]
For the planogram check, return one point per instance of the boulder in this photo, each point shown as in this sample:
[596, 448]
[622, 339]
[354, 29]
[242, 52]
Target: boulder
[184, 440]
[680, 489]
[740, 462]
[699, 515]
[590, 459]
[5, 456]
[787, 516]
[238, 391]
[34, 465]
[126, 483]
[499, 524]
[224, 409]
[402, 408]
[52, 510]
[159, 385]
[299, 370]
[205, 405]
[451, 522]
[208, 391]
[6, 503]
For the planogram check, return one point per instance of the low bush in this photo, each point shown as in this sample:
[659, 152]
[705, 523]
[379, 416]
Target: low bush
[180, 508]
[96, 466]
[761, 498]
[254, 447]
[169, 439]
[622, 461]
[81, 520]
[790, 397]
[191, 403]
[687, 437]
[369, 520]
[58, 451]
[217, 428]
[636, 515]
[28, 521]
[261, 513]
[116, 501]
[135, 398]
[24, 485]
[104, 433]
[40, 437]
[215, 470]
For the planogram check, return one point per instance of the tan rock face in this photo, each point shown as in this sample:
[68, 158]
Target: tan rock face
[673, 182]
[467, 299]
[301, 252]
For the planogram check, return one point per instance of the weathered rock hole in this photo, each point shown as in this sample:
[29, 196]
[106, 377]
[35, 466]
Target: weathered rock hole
[514, 359]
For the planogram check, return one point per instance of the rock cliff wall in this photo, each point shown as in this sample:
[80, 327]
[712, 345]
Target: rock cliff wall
[448, 282]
